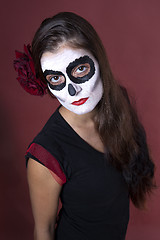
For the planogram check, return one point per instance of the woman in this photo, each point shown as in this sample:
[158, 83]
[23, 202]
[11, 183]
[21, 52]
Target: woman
[92, 152]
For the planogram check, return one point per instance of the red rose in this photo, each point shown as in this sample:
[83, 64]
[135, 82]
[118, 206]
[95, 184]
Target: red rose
[26, 73]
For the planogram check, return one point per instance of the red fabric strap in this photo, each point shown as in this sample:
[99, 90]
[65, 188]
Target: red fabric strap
[49, 161]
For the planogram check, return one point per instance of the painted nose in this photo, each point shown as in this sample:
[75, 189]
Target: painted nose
[73, 90]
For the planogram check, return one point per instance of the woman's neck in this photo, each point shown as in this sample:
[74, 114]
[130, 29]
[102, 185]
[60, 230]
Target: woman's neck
[75, 119]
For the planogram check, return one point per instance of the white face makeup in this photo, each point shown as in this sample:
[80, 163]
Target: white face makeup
[73, 78]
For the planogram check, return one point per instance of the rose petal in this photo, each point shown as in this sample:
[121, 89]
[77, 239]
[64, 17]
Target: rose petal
[19, 54]
[26, 73]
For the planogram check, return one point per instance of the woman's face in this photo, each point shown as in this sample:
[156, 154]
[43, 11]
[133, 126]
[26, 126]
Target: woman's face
[73, 78]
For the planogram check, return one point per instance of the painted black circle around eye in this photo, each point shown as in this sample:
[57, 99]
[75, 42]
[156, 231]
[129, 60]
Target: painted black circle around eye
[57, 73]
[81, 60]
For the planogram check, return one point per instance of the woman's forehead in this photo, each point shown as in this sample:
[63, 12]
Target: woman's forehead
[61, 59]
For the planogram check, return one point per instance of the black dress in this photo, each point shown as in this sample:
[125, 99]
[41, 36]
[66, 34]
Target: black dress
[95, 201]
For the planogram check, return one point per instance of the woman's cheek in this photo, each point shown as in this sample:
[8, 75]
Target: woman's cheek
[60, 95]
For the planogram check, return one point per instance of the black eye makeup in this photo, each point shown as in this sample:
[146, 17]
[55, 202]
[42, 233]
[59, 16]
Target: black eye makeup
[81, 70]
[55, 79]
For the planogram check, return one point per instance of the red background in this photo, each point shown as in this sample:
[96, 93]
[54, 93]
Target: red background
[130, 31]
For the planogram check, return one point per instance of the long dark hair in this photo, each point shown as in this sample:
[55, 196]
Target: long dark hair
[119, 128]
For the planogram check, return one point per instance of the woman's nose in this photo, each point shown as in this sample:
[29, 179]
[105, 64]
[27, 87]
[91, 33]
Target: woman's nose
[73, 89]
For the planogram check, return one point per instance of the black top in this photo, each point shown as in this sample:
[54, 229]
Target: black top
[95, 201]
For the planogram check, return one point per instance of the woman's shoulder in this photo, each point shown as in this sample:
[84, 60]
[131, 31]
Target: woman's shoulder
[47, 138]
[46, 149]
[50, 128]
[54, 126]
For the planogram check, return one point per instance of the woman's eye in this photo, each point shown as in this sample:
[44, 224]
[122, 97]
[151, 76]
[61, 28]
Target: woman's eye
[55, 79]
[81, 70]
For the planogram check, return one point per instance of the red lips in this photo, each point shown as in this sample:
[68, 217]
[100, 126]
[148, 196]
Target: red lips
[80, 102]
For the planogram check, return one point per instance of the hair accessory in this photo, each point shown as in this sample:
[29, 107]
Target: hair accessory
[26, 73]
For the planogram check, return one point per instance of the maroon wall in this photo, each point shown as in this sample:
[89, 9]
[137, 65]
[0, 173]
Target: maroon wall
[130, 33]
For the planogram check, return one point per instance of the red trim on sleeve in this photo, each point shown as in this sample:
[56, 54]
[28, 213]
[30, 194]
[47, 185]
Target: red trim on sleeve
[49, 161]
[58, 180]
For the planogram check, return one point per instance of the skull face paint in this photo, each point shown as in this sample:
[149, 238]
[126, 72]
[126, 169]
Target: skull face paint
[73, 78]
